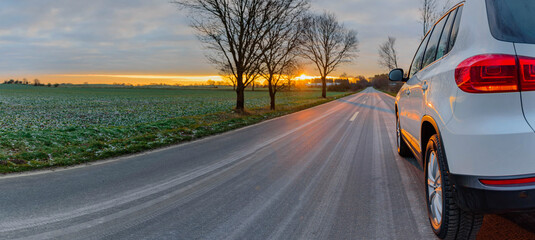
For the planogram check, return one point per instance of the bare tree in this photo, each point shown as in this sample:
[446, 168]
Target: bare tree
[290, 73]
[233, 30]
[254, 79]
[230, 80]
[327, 43]
[446, 5]
[428, 15]
[281, 46]
[388, 56]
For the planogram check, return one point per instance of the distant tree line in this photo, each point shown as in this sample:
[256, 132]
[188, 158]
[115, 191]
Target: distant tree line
[342, 85]
[381, 82]
[36, 82]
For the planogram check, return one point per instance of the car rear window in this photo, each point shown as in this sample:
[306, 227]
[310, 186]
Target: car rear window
[431, 50]
[512, 20]
[444, 40]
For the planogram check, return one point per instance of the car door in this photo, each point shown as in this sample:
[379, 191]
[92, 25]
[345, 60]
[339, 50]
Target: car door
[404, 102]
[418, 85]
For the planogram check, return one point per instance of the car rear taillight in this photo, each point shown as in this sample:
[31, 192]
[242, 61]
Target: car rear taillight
[488, 74]
[527, 70]
[505, 182]
[495, 73]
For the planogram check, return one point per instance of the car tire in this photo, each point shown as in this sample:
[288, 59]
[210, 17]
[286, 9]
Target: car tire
[403, 149]
[451, 222]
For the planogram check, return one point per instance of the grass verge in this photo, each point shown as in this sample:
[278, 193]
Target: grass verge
[73, 146]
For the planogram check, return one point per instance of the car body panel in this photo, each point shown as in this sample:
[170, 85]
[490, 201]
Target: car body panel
[483, 134]
[439, 99]
[487, 134]
[528, 97]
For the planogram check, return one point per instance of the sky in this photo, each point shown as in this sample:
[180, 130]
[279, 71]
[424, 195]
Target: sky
[150, 41]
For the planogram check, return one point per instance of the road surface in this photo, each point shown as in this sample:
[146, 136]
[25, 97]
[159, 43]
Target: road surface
[329, 172]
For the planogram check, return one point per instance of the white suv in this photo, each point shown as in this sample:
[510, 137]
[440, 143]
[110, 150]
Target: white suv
[467, 113]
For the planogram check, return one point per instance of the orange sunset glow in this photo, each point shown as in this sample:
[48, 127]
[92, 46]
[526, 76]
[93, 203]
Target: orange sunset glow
[157, 46]
[138, 79]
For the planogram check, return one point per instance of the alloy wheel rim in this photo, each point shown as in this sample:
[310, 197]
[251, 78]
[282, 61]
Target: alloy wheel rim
[434, 190]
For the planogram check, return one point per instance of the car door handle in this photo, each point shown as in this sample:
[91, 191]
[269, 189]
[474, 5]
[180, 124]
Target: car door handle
[425, 86]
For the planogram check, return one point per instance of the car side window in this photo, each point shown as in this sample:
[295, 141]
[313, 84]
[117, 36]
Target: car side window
[444, 40]
[431, 50]
[455, 29]
[417, 61]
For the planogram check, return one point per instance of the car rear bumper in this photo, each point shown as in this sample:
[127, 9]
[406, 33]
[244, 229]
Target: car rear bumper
[472, 195]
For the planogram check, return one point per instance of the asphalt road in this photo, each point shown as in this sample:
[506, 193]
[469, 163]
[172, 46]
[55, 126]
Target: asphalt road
[329, 172]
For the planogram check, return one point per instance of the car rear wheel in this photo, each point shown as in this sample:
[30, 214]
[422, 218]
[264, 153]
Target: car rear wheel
[447, 219]
[403, 149]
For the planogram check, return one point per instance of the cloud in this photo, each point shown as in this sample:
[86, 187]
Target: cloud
[96, 36]
[153, 36]
[375, 20]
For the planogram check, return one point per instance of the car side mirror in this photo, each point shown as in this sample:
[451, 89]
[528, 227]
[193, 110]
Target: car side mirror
[396, 75]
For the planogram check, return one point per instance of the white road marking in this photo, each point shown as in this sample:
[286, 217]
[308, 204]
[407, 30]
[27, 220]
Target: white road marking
[354, 117]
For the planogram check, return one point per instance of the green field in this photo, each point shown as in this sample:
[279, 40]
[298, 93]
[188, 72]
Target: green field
[43, 127]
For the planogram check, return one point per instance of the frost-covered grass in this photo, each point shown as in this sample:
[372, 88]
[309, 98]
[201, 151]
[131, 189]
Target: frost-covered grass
[42, 127]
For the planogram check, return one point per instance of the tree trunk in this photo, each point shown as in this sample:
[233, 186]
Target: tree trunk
[240, 99]
[240, 95]
[271, 96]
[289, 85]
[324, 87]
[253, 86]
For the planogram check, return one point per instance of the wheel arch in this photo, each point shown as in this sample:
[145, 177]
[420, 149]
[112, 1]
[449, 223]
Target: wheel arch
[428, 129]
